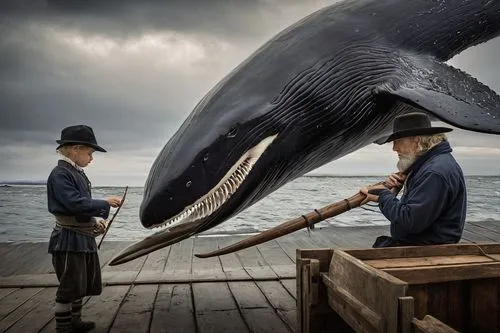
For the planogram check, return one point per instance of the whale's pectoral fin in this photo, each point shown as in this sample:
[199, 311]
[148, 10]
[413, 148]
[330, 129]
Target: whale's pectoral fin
[449, 94]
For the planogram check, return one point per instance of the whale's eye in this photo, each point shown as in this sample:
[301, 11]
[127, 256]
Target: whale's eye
[232, 133]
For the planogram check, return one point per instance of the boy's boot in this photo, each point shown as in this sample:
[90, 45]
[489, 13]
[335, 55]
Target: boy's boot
[77, 324]
[63, 318]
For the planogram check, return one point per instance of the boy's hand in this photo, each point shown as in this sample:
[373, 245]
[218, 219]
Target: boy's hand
[114, 201]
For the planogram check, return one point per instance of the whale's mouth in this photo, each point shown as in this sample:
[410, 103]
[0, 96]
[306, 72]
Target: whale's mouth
[190, 220]
[220, 193]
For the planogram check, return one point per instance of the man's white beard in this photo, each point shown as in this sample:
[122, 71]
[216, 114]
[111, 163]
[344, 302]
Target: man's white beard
[405, 162]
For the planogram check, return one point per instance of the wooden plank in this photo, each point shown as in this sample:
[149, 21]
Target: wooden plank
[421, 298]
[324, 256]
[406, 314]
[213, 296]
[215, 309]
[254, 264]
[32, 315]
[366, 284]
[180, 258]
[135, 313]
[6, 291]
[133, 265]
[12, 301]
[431, 325]
[100, 309]
[37, 261]
[426, 261]
[206, 265]
[16, 258]
[109, 249]
[281, 301]
[352, 310]
[230, 263]
[456, 307]
[157, 260]
[291, 286]
[432, 274]
[273, 254]
[425, 251]
[438, 303]
[220, 321]
[173, 310]
[484, 306]
[264, 320]
[248, 295]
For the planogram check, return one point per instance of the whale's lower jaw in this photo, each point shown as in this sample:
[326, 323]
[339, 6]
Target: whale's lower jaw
[220, 194]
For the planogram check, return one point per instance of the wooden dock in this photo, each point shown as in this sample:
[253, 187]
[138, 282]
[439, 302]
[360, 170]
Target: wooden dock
[171, 290]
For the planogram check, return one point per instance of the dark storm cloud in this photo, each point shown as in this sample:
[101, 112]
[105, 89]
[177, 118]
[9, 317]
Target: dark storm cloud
[133, 70]
[121, 19]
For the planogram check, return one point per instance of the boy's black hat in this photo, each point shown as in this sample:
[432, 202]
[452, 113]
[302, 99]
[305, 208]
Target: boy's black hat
[412, 124]
[79, 135]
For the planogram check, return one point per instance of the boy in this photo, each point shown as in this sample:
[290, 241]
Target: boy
[72, 242]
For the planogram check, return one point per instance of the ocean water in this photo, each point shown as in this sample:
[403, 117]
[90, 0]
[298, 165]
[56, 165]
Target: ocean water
[24, 215]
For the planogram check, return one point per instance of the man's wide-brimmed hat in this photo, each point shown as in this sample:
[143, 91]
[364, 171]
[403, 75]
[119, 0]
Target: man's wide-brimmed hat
[412, 124]
[79, 135]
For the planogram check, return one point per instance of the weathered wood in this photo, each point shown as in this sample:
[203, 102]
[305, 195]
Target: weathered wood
[135, 313]
[31, 315]
[12, 301]
[433, 274]
[156, 261]
[221, 321]
[264, 320]
[104, 308]
[425, 251]
[426, 261]
[484, 306]
[254, 264]
[212, 265]
[366, 284]
[291, 286]
[215, 309]
[431, 325]
[357, 314]
[173, 310]
[230, 263]
[256, 310]
[438, 302]
[212, 297]
[279, 298]
[180, 258]
[5, 291]
[421, 299]
[248, 295]
[406, 314]
[456, 305]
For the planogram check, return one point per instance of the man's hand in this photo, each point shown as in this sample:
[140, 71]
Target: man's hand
[372, 193]
[114, 201]
[395, 181]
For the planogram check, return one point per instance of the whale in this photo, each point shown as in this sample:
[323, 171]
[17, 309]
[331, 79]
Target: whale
[322, 88]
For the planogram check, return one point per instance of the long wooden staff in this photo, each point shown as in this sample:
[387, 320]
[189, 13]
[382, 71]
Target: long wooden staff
[112, 218]
[304, 221]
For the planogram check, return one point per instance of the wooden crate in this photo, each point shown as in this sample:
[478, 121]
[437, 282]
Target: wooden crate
[444, 288]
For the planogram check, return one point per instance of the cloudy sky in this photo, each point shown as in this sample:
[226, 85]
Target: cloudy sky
[133, 70]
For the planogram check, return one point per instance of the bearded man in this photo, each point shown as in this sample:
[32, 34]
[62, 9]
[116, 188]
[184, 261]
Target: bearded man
[432, 208]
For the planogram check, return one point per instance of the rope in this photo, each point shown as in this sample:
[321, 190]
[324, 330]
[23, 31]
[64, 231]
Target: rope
[93, 228]
[484, 253]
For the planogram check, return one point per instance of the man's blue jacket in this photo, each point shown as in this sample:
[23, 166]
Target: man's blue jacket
[433, 206]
